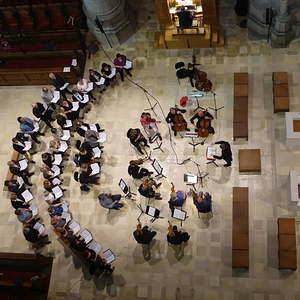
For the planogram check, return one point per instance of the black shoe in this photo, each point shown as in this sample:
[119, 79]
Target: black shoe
[147, 146]
[38, 142]
[30, 174]
[227, 165]
[48, 242]
[32, 161]
[158, 185]
[42, 134]
[44, 236]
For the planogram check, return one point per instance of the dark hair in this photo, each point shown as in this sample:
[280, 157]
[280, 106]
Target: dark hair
[174, 228]
[19, 119]
[118, 55]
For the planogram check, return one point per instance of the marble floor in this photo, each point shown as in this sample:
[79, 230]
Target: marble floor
[204, 271]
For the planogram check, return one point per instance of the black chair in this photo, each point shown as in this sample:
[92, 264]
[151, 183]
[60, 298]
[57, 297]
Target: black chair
[179, 65]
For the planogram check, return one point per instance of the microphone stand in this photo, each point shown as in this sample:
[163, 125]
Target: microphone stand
[215, 108]
[199, 175]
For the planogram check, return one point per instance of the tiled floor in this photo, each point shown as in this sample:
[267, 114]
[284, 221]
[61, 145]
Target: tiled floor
[204, 271]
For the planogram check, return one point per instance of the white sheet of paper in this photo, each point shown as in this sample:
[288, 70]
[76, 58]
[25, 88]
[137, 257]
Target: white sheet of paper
[27, 196]
[86, 235]
[57, 159]
[90, 87]
[75, 227]
[20, 181]
[101, 81]
[67, 69]
[27, 146]
[56, 181]
[97, 152]
[109, 256]
[122, 185]
[95, 169]
[74, 62]
[23, 164]
[157, 167]
[84, 128]
[39, 227]
[66, 135]
[63, 146]
[68, 123]
[210, 152]
[75, 106]
[34, 209]
[85, 99]
[56, 171]
[57, 191]
[113, 73]
[36, 127]
[102, 137]
[64, 86]
[66, 216]
[95, 247]
[151, 211]
[128, 64]
[56, 97]
[93, 127]
[192, 179]
[179, 214]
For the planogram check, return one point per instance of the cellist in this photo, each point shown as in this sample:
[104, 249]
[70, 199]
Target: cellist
[176, 119]
[201, 116]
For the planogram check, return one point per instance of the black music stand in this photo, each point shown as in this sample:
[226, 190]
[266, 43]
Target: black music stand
[215, 108]
[179, 214]
[200, 174]
[159, 143]
[126, 189]
[193, 135]
[158, 168]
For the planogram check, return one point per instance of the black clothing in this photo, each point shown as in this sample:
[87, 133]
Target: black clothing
[138, 173]
[204, 206]
[199, 119]
[32, 236]
[19, 148]
[148, 193]
[18, 204]
[136, 138]
[178, 237]
[44, 114]
[171, 119]
[96, 77]
[49, 161]
[20, 136]
[145, 236]
[185, 19]
[226, 153]
[59, 82]
[184, 73]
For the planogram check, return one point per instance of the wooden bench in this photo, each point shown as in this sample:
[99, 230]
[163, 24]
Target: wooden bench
[9, 176]
[287, 252]
[280, 92]
[240, 106]
[240, 228]
[249, 160]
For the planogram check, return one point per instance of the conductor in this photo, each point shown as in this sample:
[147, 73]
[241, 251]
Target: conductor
[185, 18]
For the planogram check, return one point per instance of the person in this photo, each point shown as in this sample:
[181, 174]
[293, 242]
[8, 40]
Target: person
[174, 114]
[47, 95]
[110, 201]
[149, 125]
[120, 64]
[59, 83]
[226, 153]
[106, 71]
[202, 201]
[58, 133]
[55, 210]
[17, 203]
[15, 169]
[176, 237]
[82, 127]
[185, 18]
[28, 126]
[96, 77]
[41, 112]
[136, 139]
[61, 120]
[146, 189]
[33, 236]
[15, 185]
[24, 215]
[20, 147]
[66, 108]
[47, 159]
[143, 235]
[92, 137]
[176, 198]
[200, 116]
[137, 172]
[82, 86]
[85, 156]
[100, 266]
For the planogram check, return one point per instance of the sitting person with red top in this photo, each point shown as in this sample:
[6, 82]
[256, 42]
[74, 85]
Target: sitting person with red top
[120, 64]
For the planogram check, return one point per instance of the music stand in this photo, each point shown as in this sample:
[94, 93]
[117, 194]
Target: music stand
[200, 175]
[193, 135]
[215, 108]
[153, 212]
[190, 179]
[197, 95]
[210, 152]
[126, 189]
[179, 214]
[159, 144]
[158, 168]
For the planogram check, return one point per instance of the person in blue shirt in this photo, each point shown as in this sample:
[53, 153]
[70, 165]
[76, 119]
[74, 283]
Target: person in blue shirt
[27, 126]
[202, 201]
[55, 210]
[176, 198]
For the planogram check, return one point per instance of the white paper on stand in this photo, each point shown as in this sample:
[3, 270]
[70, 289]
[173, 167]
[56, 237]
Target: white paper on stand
[102, 137]
[68, 123]
[95, 169]
[27, 196]
[57, 159]
[57, 191]
[85, 99]
[128, 64]
[75, 106]
[97, 152]
[75, 227]
[27, 146]
[113, 73]
[109, 256]
[20, 181]
[90, 87]
[63, 146]
[66, 135]
[101, 81]
[95, 247]
[23, 164]
[151, 211]
[66, 216]
[86, 235]
[179, 214]
[56, 97]
[67, 69]
[56, 171]
[210, 152]
[39, 227]
[74, 62]
[64, 86]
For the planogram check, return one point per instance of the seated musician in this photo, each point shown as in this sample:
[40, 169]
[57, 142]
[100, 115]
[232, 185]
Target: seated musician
[146, 189]
[176, 119]
[202, 202]
[202, 115]
[149, 125]
[136, 139]
[137, 172]
[176, 198]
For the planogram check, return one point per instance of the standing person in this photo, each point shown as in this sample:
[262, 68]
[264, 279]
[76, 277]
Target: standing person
[96, 77]
[43, 113]
[15, 169]
[47, 95]
[226, 153]
[20, 147]
[28, 126]
[120, 64]
[143, 235]
[106, 71]
[33, 236]
[59, 83]
[176, 237]
[83, 86]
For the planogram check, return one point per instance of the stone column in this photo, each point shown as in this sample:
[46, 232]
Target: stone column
[116, 17]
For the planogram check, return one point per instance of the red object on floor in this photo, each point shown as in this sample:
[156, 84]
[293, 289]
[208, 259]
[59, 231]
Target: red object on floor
[183, 101]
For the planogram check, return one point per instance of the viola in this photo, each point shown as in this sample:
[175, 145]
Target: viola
[179, 122]
[203, 128]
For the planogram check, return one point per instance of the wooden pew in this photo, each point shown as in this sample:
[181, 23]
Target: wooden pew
[280, 92]
[287, 252]
[240, 228]
[240, 106]
[9, 176]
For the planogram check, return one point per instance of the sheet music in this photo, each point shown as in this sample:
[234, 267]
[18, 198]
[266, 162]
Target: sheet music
[34, 209]
[20, 181]
[151, 211]
[157, 166]
[36, 127]
[95, 247]
[39, 227]
[101, 81]
[56, 181]
[75, 106]
[95, 169]
[68, 123]
[64, 86]
[85, 99]
[23, 164]
[97, 152]
[66, 216]
[86, 235]
[75, 227]
[83, 127]
[210, 152]
[63, 146]
[56, 97]
[179, 214]
[27, 196]
[66, 135]
[191, 135]
[57, 159]
[74, 62]
[113, 73]
[122, 185]
[27, 146]
[57, 191]
[90, 87]
[66, 69]
[109, 256]
[191, 179]
[102, 137]
[128, 64]
[93, 127]
[56, 170]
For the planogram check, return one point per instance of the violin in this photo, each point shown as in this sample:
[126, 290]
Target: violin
[179, 122]
[203, 129]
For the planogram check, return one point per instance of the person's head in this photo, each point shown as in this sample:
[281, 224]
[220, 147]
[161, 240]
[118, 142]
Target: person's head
[105, 66]
[52, 76]
[45, 90]
[45, 156]
[26, 230]
[20, 120]
[13, 197]
[119, 56]
[91, 71]
[139, 228]
[14, 140]
[45, 170]
[80, 81]
[18, 211]
[131, 132]
[175, 228]
[47, 183]
[200, 113]
[172, 110]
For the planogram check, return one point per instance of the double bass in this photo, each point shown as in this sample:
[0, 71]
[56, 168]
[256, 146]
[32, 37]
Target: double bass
[203, 129]
[179, 122]
[201, 82]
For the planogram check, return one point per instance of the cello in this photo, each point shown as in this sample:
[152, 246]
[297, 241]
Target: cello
[179, 122]
[203, 129]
